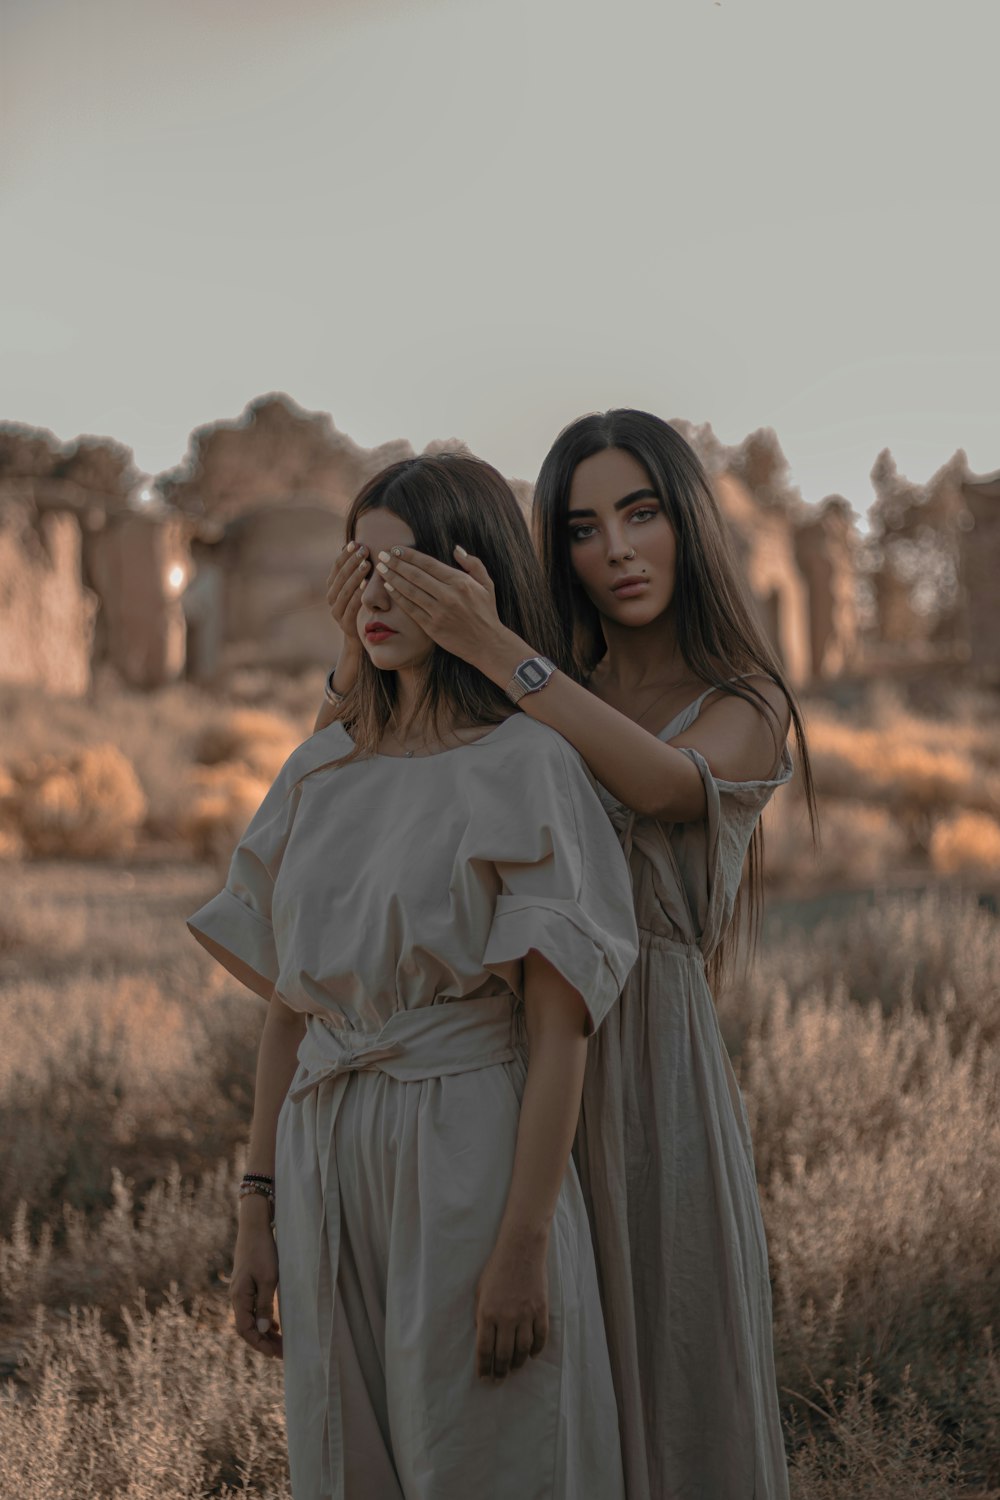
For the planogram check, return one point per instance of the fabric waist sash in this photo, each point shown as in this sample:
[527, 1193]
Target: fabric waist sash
[456, 1036]
[434, 1041]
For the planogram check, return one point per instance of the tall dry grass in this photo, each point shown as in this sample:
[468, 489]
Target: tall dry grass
[867, 1042]
[868, 1053]
[174, 1407]
[868, 1048]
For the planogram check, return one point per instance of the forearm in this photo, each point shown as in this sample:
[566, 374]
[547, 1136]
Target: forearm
[549, 1111]
[550, 1105]
[640, 770]
[344, 678]
[276, 1063]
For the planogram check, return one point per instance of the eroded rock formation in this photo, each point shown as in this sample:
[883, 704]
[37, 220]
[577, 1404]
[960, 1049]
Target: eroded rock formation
[46, 613]
[272, 453]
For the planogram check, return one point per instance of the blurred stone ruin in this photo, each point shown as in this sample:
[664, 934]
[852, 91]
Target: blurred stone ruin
[917, 590]
[222, 563]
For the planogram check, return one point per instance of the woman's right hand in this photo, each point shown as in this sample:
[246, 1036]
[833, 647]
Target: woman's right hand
[254, 1283]
[343, 594]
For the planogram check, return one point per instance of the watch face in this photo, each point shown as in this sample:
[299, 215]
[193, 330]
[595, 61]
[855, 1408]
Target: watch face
[532, 674]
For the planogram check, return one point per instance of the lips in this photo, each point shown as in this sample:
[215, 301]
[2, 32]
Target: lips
[632, 583]
[378, 632]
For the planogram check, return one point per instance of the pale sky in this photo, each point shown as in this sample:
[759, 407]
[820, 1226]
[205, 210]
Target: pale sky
[481, 218]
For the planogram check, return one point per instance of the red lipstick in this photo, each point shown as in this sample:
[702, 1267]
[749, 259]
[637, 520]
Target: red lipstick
[375, 631]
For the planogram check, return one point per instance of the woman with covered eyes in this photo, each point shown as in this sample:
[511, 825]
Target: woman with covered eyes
[432, 901]
[677, 704]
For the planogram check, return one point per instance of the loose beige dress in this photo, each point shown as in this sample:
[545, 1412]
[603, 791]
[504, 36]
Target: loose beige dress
[392, 901]
[667, 1169]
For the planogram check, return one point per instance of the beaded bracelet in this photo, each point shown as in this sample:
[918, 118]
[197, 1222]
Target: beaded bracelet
[258, 1189]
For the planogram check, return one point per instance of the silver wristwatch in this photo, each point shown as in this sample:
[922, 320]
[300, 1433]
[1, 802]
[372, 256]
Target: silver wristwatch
[529, 675]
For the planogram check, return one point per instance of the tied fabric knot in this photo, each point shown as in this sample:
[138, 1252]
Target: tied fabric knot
[623, 821]
[346, 1056]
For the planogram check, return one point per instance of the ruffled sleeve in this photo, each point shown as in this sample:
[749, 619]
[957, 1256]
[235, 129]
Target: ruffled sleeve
[565, 887]
[719, 845]
[235, 926]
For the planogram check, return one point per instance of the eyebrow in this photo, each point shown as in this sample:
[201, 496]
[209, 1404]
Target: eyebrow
[577, 515]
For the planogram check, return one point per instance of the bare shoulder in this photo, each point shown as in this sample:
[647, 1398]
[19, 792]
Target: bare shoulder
[739, 738]
[772, 694]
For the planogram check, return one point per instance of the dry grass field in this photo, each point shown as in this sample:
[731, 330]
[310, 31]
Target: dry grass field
[866, 1036]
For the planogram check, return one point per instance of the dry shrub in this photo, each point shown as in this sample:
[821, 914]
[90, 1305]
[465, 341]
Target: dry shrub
[86, 805]
[11, 838]
[890, 766]
[180, 1233]
[953, 715]
[178, 1410]
[869, 1055]
[240, 752]
[158, 731]
[11, 842]
[969, 841]
[221, 802]
[113, 1072]
[860, 842]
[938, 953]
[63, 924]
[295, 695]
[869, 1050]
[24, 1266]
[259, 740]
[849, 1456]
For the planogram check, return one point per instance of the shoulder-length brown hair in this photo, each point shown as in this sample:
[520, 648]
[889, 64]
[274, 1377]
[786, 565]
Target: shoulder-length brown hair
[450, 499]
[718, 634]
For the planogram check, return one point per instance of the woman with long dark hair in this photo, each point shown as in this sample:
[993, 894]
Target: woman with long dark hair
[675, 700]
[437, 911]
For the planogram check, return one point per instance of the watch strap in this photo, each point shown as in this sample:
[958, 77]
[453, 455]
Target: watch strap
[529, 675]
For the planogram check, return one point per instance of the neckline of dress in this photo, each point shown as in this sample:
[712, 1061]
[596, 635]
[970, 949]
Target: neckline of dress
[450, 750]
[695, 703]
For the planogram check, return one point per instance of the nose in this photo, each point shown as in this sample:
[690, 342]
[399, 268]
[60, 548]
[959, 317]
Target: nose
[618, 548]
[373, 594]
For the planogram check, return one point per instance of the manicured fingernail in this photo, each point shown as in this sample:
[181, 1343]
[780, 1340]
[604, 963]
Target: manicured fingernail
[263, 1324]
[461, 552]
[351, 546]
[397, 551]
[389, 589]
[384, 556]
[381, 566]
[364, 564]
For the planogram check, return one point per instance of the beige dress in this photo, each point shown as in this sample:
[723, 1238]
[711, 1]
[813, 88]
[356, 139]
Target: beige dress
[667, 1169]
[392, 901]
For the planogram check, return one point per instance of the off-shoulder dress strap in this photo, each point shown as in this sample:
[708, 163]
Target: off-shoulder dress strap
[687, 716]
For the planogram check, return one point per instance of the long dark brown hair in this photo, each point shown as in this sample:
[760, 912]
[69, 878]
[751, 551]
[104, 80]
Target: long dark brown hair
[450, 499]
[718, 635]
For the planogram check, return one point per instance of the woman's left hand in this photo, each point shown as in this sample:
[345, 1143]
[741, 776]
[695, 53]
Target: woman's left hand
[512, 1306]
[456, 607]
